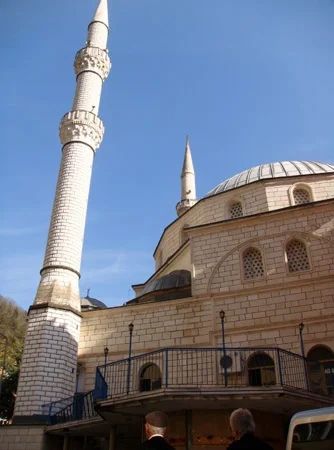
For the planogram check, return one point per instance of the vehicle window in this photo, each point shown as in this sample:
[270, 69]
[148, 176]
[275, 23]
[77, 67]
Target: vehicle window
[314, 436]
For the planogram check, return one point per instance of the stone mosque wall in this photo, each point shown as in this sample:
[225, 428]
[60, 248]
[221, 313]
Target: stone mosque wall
[255, 198]
[259, 312]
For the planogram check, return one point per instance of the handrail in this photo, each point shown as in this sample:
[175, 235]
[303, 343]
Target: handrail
[81, 407]
[205, 366]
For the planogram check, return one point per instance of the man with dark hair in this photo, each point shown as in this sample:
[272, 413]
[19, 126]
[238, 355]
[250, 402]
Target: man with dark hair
[243, 429]
[155, 429]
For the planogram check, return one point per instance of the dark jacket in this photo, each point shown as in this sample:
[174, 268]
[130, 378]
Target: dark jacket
[249, 442]
[156, 443]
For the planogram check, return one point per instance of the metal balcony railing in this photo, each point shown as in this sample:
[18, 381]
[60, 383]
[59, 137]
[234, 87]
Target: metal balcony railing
[78, 407]
[191, 368]
[211, 368]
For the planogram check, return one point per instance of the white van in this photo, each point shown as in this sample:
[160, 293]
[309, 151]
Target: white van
[312, 430]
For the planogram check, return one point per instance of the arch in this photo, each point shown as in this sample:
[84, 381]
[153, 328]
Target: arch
[253, 241]
[261, 370]
[235, 209]
[252, 263]
[300, 194]
[149, 378]
[297, 256]
[320, 353]
[320, 363]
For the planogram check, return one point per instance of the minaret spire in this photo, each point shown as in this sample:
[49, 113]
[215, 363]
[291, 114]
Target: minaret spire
[51, 346]
[101, 13]
[188, 185]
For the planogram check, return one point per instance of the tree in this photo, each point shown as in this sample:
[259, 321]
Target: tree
[13, 324]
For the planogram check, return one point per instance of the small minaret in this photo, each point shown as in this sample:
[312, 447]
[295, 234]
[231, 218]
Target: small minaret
[188, 185]
[49, 362]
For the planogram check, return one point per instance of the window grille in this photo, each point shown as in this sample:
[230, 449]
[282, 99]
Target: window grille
[297, 256]
[236, 210]
[253, 264]
[301, 196]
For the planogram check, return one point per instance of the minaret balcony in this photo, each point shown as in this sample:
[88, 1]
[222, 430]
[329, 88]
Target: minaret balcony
[92, 59]
[81, 126]
[185, 204]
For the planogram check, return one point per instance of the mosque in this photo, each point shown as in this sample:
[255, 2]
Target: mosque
[239, 311]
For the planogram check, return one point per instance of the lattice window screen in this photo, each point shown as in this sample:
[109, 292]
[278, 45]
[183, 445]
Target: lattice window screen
[297, 256]
[236, 210]
[301, 196]
[253, 264]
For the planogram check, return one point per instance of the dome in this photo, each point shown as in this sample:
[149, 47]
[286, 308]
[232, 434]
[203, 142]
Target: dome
[89, 303]
[176, 284]
[272, 170]
[175, 279]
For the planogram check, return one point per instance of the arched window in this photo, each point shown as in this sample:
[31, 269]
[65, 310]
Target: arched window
[150, 378]
[236, 210]
[297, 257]
[261, 370]
[253, 264]
[320, 362]
[301, 196]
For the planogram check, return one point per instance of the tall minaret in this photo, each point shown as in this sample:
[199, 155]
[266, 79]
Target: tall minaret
[188, 185]
[49, 362]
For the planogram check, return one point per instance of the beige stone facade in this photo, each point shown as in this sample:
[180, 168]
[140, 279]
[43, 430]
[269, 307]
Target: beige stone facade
[243, 291]
[292, 249]
[21, 438]
[256, 198]
[264, 254]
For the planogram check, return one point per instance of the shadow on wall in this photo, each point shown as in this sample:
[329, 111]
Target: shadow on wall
[49, 364]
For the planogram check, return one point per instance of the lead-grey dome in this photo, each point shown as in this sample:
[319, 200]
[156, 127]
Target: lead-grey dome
[175, 279]
[89, 303]
[176, 284]
[272, 170]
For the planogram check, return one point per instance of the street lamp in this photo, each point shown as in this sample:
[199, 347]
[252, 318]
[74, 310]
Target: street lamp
[106, 351]
[3, 368]
[131, 326]
[301, 328]
[222, 318]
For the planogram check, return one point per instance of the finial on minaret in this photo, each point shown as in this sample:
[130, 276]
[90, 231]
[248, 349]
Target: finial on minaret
[188, 185]
[101, 13]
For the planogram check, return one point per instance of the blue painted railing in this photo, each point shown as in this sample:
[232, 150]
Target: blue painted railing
[78, 407]
[101, 387]
[196, 368]
[206, 367]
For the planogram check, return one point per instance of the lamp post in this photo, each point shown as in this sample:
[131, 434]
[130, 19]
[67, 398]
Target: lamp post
[106, 351]
[301, 328]
[131, 326]
[5, 340]
[222, 318]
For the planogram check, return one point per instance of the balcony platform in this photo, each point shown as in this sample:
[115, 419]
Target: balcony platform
[270, 380]
[276, 399]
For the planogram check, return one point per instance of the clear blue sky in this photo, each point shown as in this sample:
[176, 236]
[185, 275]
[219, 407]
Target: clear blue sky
[249, 81]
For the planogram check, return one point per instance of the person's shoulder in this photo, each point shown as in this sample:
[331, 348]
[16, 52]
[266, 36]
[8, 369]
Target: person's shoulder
[262, 445]
[249, 441]
[156, 443]
[234, 446]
